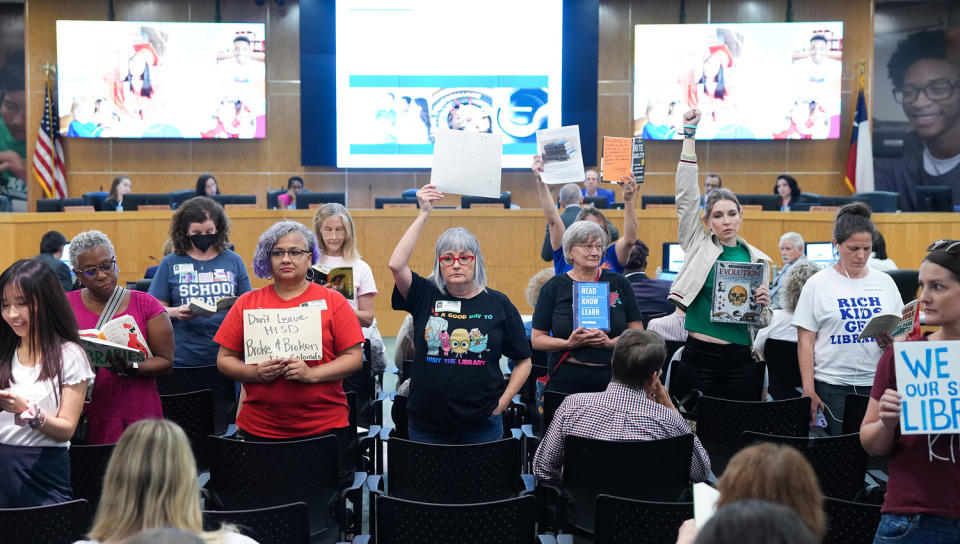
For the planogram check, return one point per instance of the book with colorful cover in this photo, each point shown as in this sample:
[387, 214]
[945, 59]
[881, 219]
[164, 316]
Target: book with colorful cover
[591, 305]
[339, 279]
[896, 324]
[120, 336]
[734, 285]
[622, 156]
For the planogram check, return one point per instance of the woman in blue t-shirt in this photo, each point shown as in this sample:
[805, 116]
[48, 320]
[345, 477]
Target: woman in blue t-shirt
[461, 329]
[615, 254]
[200, 267]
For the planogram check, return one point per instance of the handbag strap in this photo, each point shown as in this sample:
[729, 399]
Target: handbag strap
[562, 359]
[111, 307]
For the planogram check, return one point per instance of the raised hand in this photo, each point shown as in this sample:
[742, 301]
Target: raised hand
[537, 166]
[691, 117]
[629, 184]
[426, 195]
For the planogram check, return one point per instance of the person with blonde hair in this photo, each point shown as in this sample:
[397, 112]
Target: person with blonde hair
[151, 482]
[781, 326]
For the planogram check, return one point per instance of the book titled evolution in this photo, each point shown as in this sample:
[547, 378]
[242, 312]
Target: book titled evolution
[734, 286]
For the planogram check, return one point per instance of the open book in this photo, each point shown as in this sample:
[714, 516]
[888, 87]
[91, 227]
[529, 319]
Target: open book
[121, 336]
[339, 279]
[204, 309]
[895, 324]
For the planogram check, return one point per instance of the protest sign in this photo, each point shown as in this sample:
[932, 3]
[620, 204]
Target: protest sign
[281, 333]
[928, 379]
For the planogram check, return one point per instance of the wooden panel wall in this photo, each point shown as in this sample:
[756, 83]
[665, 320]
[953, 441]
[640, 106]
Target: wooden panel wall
[256, 166]
[510, 239]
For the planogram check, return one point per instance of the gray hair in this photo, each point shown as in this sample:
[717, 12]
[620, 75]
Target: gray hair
[581, 232]
[570, 195]
[797, 276]
[85, 241]
[797, 240]
[459, 239]
[261, 257]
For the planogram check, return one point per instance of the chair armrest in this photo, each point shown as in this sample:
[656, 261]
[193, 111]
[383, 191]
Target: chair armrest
[375, 483]
[878, 475]
[354, 494]
[359, 539]
[231, 430]
[565, 539]
[546, 539]
[529, 484]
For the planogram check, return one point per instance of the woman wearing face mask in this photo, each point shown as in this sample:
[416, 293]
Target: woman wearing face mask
[200, 267]
[717, 358]
[834, 306]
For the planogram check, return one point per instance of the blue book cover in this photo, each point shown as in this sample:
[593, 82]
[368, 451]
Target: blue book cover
[591, 305]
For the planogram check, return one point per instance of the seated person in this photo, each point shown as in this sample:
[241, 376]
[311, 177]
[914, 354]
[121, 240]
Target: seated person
[781, 327]
[791, 252]
[591, 183]
[635, 406]
[670, 327]
[289, 199]
[751, 521]
[651, 293]
[879, 260]
[207, 185]
[51, 250]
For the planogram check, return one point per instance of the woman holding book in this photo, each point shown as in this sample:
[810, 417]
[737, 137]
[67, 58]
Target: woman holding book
[921, 503]
[613, 256]
[834, 306]
[461, 328]
[717, 358]
[124, 393]
[289, 398]
[150, 483]
[580, 357]
[43, 378]
[202, 268]
[336, 237]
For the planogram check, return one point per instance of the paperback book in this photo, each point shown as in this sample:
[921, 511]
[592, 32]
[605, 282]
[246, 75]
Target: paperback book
[591, 305]
[118, 337]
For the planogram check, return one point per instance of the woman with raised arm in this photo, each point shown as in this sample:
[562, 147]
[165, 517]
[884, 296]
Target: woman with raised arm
[461, 328]
[613, 256]
[717, 358]
[921, 503]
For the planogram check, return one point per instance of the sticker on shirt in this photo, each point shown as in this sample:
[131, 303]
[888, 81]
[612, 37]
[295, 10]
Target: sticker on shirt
[188, 277]
[220, 275]
[447, 306]
[183, 268]
[205, 277]
[458, 347]
[322, 304]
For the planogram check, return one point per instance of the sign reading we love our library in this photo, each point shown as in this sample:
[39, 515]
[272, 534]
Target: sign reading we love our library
[928, 379]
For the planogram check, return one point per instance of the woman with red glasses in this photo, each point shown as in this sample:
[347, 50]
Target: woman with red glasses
[461, 329]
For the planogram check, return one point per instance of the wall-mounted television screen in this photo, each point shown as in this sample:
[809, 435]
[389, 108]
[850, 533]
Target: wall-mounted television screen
[751, 81]
[406, 69]
[120, 79]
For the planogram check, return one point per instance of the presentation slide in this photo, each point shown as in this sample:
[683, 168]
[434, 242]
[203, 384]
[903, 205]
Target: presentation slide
[751, 81]
[407, 69]
[121, 79]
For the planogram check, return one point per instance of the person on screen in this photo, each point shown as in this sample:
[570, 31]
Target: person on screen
[469, 117]
[818, 74]
[657, 126]
[925, 79]
[13, 135]
[137, 87]
[410, 127]
[233, 119]
[591, 187]
[807, 119]
[83, 124]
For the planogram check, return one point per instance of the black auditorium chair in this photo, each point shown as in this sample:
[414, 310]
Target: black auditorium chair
[95, 199]
[179, 197]
[720, 423]
[783, 369]
[193, 412]
[850, 522]
[908, 281]
[620, 520]
[364, 383]
[54, 524]
[399, 521]
[235, 199]
[657, 470]
[247, 474]
[768, 202]
[854, 408]
[551, 401]
[837, 201]
[272, 203]
[466, 201]
[46, 205]
[935, 198]
[394, 202]
[88, 465]
[840, 462]
[599, 202]
[285, 524]
[361, 448]
[133, 201]
[880, 201]
[186, 379]
[305, 199]
[657, 199]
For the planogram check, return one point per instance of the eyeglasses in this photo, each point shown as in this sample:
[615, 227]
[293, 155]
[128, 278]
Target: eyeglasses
[92, 271]
[940, 89]
[464, 260]
[293, 253]
[951, 247]
[590, 247]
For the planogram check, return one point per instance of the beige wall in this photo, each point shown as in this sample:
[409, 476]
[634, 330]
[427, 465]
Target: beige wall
[256, 166]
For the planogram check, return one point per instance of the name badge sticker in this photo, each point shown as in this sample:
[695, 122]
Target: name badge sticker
[322, 304]
[447, 306]
[183, 268]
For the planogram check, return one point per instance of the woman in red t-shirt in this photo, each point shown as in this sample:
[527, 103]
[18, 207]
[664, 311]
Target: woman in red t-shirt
[922, 503]
[289, 398]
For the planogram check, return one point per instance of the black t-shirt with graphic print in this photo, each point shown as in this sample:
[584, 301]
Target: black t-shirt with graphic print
[456, 377]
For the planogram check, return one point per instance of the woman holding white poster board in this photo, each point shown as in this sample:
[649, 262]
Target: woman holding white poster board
[289, 398]
[461, 328]
[921, 503]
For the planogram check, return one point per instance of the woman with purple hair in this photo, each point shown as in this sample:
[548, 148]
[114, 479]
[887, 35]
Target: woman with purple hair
[289, 398]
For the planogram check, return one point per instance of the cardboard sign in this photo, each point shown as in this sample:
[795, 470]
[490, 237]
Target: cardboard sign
[467, 163]
[928, 379]
[280, 333]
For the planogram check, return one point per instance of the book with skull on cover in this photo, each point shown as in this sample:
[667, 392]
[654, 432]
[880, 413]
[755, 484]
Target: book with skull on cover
[734, 287]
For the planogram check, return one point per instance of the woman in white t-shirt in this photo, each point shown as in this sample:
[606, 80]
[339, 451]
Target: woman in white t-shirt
[338, 247]
[834, 306]
[43, 379]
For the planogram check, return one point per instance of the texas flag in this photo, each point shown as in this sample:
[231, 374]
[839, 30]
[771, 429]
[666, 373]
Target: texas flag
[859, 176]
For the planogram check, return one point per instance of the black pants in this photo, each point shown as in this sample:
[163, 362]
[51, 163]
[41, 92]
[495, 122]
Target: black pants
[571, 378]
[725, 371]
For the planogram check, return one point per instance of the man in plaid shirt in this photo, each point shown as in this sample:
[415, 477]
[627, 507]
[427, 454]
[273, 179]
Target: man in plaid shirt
[635, 406]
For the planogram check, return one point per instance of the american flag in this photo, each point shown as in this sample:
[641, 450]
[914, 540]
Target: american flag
[48, 153]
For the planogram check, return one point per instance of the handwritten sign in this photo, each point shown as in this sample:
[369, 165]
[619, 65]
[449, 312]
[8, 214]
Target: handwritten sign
[928, 379]
[280, 333]
[620, 157]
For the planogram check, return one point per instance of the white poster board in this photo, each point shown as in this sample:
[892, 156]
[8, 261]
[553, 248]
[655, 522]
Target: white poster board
[562, 157]
[928, 379]
[281, 333]
[467, 163]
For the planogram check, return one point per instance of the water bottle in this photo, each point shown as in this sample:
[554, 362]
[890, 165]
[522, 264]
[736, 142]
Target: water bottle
[658, 272]
[784, 208]
[119, 207]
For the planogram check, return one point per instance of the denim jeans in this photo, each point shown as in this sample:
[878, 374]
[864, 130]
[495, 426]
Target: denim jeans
[490, 430]
[834, 396]
[919, 528]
